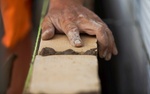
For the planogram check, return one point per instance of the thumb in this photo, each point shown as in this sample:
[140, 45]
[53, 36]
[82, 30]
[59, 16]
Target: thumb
[47, 29]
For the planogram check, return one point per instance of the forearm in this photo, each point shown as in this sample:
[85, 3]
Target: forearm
[79, 1]
[65, 2]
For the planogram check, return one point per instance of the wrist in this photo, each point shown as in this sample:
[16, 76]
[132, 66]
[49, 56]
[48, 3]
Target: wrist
[65, 2]
[77, 1]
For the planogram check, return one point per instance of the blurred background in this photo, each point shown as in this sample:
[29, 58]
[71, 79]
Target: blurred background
[129, 20]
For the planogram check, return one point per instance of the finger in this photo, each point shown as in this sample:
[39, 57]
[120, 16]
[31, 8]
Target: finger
[109, 52]
[115, 51]
[92, 27]
[108, 57]
[105, 53]
[72, 32]
[103, 43]
[47, 29]
[74, 38]
[112, 48]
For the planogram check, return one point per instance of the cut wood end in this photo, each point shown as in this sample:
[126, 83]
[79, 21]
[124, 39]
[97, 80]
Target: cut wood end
[60, 43]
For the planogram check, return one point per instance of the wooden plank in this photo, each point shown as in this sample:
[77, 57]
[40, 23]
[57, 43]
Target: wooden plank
[65, 74]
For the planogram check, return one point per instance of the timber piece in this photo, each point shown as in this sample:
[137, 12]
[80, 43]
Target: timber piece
[60, 43]
[65, 74]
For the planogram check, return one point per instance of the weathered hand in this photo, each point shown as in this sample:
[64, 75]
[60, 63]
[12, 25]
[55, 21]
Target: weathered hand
[72, 18]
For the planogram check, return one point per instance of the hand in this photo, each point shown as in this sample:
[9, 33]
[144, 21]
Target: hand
[72, 18]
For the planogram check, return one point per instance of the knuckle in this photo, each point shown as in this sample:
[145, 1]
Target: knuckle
[103, 26]
[70, 17]
[70, 27]
[81, 16]
[46, 22]
[81, 19]
[105, 45]
[110, 33]
[99, 26]
[43, 23]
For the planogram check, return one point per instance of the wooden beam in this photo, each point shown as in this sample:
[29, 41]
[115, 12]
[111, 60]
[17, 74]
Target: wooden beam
[65, 74]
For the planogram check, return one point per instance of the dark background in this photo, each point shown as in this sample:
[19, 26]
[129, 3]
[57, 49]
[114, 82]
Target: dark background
[126, 73]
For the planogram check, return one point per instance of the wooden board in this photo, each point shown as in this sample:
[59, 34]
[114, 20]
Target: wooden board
[65, 74]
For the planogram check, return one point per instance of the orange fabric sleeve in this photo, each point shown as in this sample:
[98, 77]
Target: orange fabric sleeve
[16, 15]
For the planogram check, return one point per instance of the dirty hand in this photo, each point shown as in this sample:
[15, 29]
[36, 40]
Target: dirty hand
[72, 18]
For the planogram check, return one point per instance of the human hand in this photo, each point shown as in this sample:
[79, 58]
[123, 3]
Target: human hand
[72, 18]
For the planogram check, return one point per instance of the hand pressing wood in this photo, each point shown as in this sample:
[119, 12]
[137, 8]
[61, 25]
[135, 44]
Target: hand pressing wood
[72, 18]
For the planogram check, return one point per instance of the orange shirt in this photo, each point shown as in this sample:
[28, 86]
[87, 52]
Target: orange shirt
[16, 15]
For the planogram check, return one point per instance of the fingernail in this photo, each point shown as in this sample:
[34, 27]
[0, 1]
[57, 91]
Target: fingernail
[100, 54]
[115, 51]
[78, 43]
[44, 34]
[108, 57]
[47, 34]
[105, 53]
